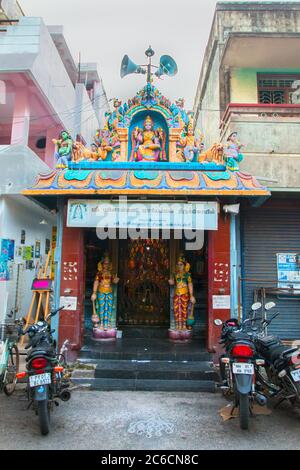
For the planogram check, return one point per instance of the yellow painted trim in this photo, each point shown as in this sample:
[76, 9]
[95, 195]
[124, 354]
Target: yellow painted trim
[158, 192]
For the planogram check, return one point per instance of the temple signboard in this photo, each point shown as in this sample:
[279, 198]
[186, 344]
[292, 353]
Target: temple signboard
[143, 214]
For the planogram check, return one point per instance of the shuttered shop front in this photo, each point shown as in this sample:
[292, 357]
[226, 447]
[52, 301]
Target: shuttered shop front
[266, 232]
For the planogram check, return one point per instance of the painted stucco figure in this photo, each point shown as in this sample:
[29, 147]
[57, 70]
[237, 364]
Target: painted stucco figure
[63, 149]
[191, 145]
[107, 143]
[232, 151]
[102, 296]
[148, 144]
[184, 299]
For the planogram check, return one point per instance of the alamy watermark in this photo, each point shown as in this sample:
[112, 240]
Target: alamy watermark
[126, 219]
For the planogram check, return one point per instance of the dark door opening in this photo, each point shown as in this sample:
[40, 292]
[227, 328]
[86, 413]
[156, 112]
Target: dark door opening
[143, 293]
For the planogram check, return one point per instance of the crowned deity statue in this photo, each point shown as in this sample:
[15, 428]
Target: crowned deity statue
[184, 299]
[63, 149]
[232, 152]
[102, 296]
[148, 145]
[190, 144]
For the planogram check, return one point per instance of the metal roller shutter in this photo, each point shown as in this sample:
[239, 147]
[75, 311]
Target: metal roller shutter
[266, 232]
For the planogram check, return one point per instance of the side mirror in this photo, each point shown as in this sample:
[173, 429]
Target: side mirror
[218, 322]
[270, 305]
[255, 306]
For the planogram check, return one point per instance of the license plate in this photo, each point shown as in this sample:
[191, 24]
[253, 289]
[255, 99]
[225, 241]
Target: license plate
[242, 368]
[296, 375]
[40, 379]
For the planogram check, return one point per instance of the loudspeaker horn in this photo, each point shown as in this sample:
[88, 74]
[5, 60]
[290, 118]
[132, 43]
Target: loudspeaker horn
[127, 67]
[167, 66]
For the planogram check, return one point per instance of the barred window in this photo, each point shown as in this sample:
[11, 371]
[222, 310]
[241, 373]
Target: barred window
[276, 88]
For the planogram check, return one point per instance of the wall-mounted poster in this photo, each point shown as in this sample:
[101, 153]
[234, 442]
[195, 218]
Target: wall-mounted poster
[47, 246]
[37, 249]
[53, 247]
[7, 255]
[30, 264]
[8, 249]
[4, 271]
[23, 237]
[288, 270]
[28, 253]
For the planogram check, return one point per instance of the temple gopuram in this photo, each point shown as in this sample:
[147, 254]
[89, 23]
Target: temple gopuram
[144, 239]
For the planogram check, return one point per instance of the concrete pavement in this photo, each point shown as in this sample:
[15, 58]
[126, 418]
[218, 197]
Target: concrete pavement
[144, 420]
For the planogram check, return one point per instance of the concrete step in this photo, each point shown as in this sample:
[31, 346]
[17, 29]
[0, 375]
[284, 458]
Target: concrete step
[178, 355]
[148, 375]
[155, 370]
[109, 384]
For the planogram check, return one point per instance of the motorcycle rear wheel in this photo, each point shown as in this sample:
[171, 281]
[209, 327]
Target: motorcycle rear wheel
[44, 416]
[244, 410]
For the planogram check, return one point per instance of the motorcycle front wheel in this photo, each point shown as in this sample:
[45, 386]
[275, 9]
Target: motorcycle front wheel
[44, 416]
[11, 371]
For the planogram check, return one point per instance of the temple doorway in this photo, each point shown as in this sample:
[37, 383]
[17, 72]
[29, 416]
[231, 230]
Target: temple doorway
[143, 291]
[142, 298]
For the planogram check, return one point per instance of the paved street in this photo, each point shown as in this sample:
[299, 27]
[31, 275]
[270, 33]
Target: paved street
[112, 420]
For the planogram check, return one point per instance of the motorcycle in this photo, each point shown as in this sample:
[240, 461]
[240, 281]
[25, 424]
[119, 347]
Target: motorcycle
[44, 371]
[238, 366]
[280, 376]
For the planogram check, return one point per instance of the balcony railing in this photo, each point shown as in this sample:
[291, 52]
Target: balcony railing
[258, 110]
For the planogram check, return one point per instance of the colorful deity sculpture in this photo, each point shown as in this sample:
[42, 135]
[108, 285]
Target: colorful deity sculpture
[184, 299]
[232, 152]
[102, 296]
[190, 145]
[107, 141]
[148, 144]
[63, 149]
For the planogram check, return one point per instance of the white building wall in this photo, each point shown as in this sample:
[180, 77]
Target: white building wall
[85, 121]
[29, 47]
[11, 9]
[19, 214]
[209, 116]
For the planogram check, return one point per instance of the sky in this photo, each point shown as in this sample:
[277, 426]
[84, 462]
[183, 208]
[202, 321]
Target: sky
[104, 30]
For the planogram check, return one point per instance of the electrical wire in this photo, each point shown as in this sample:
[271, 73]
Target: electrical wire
[69, 112]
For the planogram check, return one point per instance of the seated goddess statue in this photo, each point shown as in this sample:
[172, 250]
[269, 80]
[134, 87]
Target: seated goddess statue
[148, 145]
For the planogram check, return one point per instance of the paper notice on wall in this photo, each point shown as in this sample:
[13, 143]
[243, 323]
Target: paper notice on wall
[69, 303]
[221, 302]
[288, 270]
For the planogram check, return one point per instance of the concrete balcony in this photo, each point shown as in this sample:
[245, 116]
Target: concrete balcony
[28, 48]
[19, 167]
[271, 135]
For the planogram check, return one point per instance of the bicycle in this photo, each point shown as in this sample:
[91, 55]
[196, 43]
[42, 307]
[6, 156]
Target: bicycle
[9, 357]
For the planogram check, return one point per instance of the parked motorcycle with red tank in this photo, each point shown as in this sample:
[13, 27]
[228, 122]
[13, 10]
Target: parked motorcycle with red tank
[238, 366]
[279, 378]
[45, 372]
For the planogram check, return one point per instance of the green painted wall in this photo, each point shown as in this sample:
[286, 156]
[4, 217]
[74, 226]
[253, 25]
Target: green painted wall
[243, 83]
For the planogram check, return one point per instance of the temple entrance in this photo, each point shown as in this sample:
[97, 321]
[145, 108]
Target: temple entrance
[142, 297]
[143, 291]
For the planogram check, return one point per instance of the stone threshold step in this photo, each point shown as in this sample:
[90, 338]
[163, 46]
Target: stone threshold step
[191, 366]
[148, 385]
[144, 355]
[155, 375]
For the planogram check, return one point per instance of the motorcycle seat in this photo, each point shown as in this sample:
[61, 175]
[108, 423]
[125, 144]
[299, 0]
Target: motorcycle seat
[38, 353]
[289, 352]
[275, 352]
[267, 341]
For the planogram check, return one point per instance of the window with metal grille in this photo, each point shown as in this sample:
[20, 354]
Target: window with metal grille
[275, 88]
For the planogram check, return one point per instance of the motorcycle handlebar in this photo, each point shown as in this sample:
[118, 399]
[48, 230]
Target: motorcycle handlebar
[52, 314]
[267, 322]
